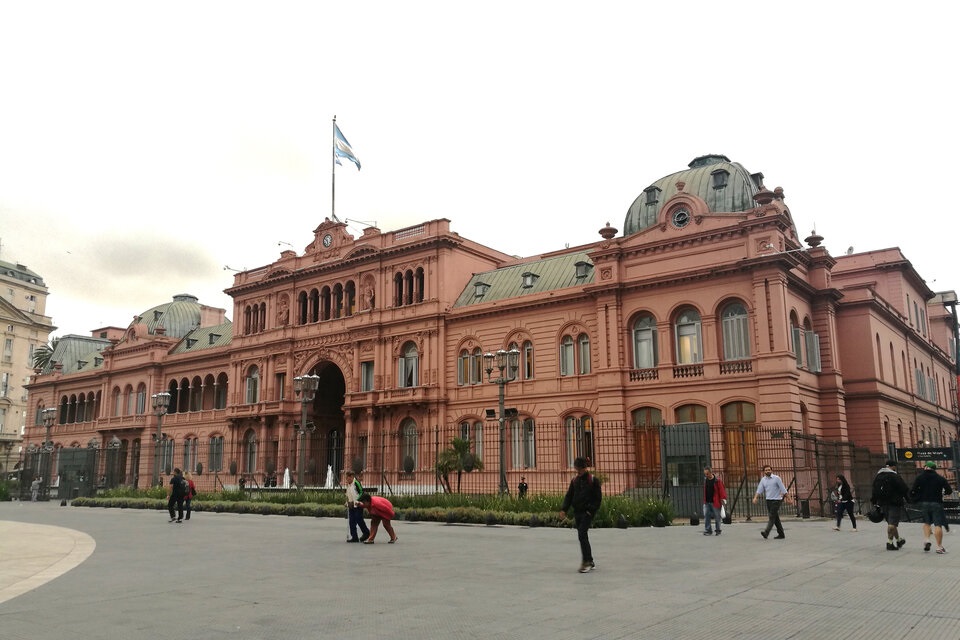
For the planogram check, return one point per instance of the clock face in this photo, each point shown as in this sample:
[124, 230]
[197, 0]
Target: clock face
[681, 218]
[327, 239]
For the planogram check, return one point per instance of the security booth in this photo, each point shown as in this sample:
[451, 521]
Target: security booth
[685, 451]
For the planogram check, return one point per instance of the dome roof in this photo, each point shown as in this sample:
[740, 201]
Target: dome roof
[725, 186]
[178, 318]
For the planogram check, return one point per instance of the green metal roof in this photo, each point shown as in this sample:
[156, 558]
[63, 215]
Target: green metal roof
[73, 349]
[736, 196]
[205, 338]
[547, 274]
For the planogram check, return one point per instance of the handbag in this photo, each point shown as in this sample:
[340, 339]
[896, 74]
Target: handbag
[875, 514]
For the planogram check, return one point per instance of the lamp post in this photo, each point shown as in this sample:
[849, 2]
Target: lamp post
[161, 402]
[48, 416]
[113, 456]
[506, 363]
[305, 387]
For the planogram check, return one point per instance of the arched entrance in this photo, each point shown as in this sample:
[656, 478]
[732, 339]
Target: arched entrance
[327, 441]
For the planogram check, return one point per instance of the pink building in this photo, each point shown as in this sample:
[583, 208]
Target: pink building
[709, 316]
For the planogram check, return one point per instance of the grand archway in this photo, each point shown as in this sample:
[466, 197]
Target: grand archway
[327, 442]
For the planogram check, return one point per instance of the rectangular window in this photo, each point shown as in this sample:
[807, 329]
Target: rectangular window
[523, 445]
[798, 345]
[736, 345]
[141, 401]
[281, 382]
[566, 357]
[688, 344]
[813, 351]
[528, 361]
[645, 348]
[4, 385]
[366, 376]
[584, 344]
[215, 454]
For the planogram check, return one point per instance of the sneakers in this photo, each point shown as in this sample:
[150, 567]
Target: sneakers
[941, 550]
[707, 533]
[926, 546]
[353, 539]
[364, 536]
[179, 521]
[172, 520]
[779, 536]
[836, 528]
[892, 547]
[592, 565]
[585, 567]
[717, 532]
[765, 534]
[901, 542]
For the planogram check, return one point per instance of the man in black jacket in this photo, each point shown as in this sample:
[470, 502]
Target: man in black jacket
[890, 492]
[584, 496]
[927, 493]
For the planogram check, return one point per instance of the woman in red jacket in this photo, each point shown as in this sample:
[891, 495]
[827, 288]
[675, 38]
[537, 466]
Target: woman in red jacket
[380, 510]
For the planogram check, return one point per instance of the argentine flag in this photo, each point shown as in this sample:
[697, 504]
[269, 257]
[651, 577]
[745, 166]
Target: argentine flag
[341, 148]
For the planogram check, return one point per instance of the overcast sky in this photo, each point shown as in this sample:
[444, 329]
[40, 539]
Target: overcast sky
[146, 146]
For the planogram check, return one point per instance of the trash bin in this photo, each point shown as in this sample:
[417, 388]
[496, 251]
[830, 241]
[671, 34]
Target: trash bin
[75, 493]
[804, 508]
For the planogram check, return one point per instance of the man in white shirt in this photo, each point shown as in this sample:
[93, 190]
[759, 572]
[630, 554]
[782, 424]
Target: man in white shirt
[772, 489]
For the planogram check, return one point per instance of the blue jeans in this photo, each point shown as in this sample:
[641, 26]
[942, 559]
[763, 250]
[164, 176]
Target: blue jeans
[356, 520]
[710, 511]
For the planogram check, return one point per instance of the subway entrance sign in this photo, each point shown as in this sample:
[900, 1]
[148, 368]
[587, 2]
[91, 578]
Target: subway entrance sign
[922, 454]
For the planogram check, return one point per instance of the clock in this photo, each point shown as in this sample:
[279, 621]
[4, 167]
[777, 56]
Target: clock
[327, 240]
[681, 218]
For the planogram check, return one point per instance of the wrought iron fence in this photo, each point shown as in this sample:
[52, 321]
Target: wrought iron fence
[664, 461]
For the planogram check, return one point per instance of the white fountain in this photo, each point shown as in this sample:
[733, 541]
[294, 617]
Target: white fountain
[286, 478]
[329, 483]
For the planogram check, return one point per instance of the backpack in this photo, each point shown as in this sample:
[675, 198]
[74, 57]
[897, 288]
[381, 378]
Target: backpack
[885, 488]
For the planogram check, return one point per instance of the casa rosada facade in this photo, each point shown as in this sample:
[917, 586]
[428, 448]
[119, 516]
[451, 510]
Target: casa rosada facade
[709, 308]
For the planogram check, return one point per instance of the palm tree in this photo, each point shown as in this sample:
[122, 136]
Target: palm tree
[457, 458]
[42, 354]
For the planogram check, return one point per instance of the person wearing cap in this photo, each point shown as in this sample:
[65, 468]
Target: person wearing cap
[890, 494]
[585, 496]
[927, 493]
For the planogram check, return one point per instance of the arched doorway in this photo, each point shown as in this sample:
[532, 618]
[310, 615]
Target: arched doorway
[326, 450]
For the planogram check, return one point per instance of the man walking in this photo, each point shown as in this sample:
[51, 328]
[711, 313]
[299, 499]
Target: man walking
[890, 494]
[772, 489]
[355, 508]
[927, 492]
[714, 497]
[584, 496]
[176, 492]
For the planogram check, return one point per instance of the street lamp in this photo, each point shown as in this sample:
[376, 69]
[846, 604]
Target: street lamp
[161, 402]
[506, 363]
[305, 387]
[48, 416]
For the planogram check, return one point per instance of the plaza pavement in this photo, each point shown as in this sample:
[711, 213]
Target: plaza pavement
[104, 574]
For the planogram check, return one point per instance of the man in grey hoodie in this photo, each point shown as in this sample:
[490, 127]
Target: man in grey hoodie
[890, 493]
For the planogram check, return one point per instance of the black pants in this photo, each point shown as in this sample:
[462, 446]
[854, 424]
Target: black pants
[178, 500]
[583, 526]
[773, 509]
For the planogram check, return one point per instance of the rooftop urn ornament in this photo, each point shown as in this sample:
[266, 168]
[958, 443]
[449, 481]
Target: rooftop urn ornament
[608, 232]
[814, 239]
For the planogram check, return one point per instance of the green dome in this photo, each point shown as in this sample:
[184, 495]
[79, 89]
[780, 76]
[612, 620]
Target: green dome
[725, 186]
[178, 318]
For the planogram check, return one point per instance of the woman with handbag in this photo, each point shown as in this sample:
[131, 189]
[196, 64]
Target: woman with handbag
[844, 502]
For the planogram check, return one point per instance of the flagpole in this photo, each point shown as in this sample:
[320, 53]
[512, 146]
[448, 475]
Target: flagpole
[333, 170]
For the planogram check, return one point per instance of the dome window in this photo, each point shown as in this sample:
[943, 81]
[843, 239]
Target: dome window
[529, 279]
[720, 178]
[480, 289]
[653, 195]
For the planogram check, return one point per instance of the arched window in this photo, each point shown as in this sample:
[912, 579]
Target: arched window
[736, 332]
[302, 307]
[130, 400]
[117, 402]
[250, 451]
[220, 393]
[141, 399]
[646, 417]
[418, 283]
[409, 366]
[398, 290]
[740, 437]
[523, 443]
[314, 305]
[526, 366]
[583, 353]
[409, 448]
[880, 359]
[645, 342]
[566, 356]
[578, 438]
[215, 454]
[690, 413]
[337, 300]
[190, 455]
[350, 298]
[470, 369]
[252, 385]
[408, 287]
[689, 340]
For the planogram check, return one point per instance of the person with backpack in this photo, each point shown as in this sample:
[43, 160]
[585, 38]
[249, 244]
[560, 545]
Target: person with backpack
[176, 492]
[927, 492]
[585, 496]
[890, 494]
[355, 508]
